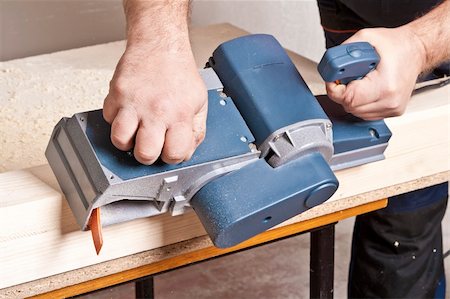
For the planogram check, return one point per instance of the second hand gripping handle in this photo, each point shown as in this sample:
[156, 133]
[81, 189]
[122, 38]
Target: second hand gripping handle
[347, 62]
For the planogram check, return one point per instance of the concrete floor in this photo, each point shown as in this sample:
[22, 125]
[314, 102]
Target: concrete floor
[277, 270]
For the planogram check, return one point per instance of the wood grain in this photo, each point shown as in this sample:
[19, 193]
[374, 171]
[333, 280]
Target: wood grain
[45, 249]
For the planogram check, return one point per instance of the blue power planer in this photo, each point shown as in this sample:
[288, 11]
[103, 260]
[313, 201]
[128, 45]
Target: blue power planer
[268, 155]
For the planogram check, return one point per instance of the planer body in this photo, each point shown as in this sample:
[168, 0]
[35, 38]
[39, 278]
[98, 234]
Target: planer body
[268, 154]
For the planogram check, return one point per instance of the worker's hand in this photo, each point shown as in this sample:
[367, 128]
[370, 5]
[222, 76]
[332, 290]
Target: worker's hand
[385, 91]
[158, 105]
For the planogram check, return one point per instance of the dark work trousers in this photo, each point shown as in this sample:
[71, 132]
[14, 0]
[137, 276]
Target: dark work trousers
[397, 251]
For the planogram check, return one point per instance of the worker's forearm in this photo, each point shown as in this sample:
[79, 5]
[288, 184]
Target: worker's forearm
[157, 25]
[433, 31]
[157, 101]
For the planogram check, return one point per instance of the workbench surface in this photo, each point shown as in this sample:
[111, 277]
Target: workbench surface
[41, 246]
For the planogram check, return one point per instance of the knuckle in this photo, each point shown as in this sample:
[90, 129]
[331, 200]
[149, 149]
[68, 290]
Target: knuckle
[348, 109]
[145, 157]
[118, 86]
[398, 111]
[348, 98]
[393, 105]
[349, 103]
[390, 89]
[107, 114]
[184, 115]
[334, 96]
[189, 155]
[330, 90]
[173, 157]
[160, 107]
[120, 141]
[337, 93]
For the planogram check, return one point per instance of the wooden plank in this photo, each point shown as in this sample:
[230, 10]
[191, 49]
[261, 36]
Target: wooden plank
[194, 256]
[48, 242]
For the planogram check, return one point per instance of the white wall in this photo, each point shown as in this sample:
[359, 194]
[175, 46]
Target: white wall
[295, 24]
[32, 27]
[36, 27]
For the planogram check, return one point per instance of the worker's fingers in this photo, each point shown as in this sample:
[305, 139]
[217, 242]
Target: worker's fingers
[123, 128]
[379, 109]
[149, 141]
[371, 111]
[364, 91]
[335, 92]
[363, 109]
[109, 109]
[370, 116]
[179, 144]
[164, 91]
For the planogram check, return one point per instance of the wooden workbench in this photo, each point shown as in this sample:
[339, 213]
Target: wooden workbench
[41, 247]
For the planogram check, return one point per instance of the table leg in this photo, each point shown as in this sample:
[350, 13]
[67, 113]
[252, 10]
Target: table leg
[322, 262]
[144, 288]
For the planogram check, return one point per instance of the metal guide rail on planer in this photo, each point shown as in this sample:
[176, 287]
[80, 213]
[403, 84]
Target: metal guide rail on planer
[268, 154]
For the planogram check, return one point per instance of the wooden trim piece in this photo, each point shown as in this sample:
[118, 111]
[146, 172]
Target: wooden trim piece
[210, 252]
[95, 225]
